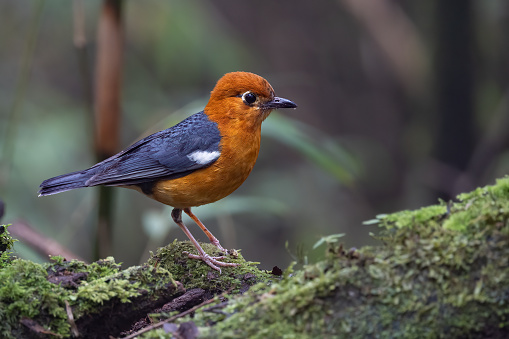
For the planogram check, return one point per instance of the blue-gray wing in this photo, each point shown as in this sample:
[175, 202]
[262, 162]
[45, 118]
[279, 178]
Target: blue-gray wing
[175, 152]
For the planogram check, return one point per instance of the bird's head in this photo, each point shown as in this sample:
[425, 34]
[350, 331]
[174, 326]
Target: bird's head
[244, 96]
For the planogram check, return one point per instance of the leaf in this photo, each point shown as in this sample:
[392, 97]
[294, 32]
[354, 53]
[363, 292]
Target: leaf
[328, 240]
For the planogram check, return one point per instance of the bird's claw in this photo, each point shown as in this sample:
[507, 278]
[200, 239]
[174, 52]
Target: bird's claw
[221, 249]
[216, 243]
[211, 261]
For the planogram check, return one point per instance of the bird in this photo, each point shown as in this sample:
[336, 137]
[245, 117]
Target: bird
[198, 161]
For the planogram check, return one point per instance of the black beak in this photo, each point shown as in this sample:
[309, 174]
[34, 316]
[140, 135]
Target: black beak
[278, 102]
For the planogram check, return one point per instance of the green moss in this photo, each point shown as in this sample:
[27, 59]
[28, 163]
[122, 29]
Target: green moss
[442, 272]
[437, 284]
[95, 270]
[194, 273]
[90, 295]
[488, 204]
[474, 209]
[6, 242]
[425, 215]
[27, 291]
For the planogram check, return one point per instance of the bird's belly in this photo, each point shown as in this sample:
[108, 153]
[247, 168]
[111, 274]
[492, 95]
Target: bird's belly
[201, 187]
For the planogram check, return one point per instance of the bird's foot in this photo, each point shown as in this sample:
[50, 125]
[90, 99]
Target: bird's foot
[216, 243]
[212, 261]
[221, 249]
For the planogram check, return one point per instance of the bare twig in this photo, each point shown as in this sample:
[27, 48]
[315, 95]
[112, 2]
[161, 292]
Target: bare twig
[35, 327]
[161, 323]
[70, 319]
[39, 242]
[110, 39]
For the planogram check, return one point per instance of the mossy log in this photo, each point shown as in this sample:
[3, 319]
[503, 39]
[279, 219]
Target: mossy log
[439, 272]
[69, 298]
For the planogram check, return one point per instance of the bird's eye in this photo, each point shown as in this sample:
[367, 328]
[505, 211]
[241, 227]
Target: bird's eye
[249, 98]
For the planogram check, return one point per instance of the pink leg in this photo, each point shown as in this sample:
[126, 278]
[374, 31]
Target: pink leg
[213, 262]
[213, 240]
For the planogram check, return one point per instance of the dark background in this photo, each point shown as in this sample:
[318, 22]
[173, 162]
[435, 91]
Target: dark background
[400, 103]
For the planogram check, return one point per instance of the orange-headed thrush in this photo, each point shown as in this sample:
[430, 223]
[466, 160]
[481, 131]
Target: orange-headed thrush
[200, 160]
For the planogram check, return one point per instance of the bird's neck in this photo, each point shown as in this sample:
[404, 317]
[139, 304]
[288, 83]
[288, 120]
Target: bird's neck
[243, 131]
[240, 137]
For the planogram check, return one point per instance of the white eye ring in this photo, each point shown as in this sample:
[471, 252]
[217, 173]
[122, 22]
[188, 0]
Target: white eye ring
[249, 98]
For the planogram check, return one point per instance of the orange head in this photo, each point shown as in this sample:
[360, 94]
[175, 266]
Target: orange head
[244, 96]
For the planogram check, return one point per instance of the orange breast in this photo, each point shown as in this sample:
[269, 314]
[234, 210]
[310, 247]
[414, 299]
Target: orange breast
[239, 151]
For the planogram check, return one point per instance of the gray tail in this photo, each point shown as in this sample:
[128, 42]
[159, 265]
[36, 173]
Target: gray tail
[65, 182]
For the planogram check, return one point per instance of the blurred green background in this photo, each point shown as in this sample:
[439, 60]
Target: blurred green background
[399, 103]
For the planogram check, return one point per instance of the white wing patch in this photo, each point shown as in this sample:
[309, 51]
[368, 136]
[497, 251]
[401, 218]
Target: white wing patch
[203, 157]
